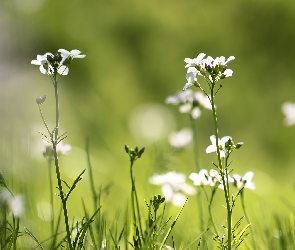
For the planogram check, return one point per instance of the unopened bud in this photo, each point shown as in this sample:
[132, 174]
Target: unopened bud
[239, 144]
[40, 100]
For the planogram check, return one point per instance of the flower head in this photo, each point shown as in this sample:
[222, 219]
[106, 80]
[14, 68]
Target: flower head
[68, 56]
[190, 102]
[45, 66]
[288, 110]
[221, 145]
[61, 149]
[181, 139]
[205, 178]
[173, 187]
[52, 64]
[210, 68]
[244, 181]
[15, 203]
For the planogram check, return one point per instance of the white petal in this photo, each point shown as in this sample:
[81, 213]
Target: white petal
[167, 192]
[63, 70]
[196, 113]
[185, 108]
[211, 149]
[187, 85]
[231, 58]
[200, 57]
[178, 199]
[222, 153]
[228, 72]
[172, 100]
[35, 62]
[213, 139]
[63, 51]
[248, 176]
[43, 70]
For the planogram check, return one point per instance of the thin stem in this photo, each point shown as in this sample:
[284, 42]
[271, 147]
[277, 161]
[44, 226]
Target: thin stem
[134, 195]
[248, 220]
[94, 196]
[41, 113]
[210, 209]
[57, 169]
[51, 194]
[222, 170]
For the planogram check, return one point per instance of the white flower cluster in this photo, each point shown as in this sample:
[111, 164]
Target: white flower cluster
[225, 145]
[52, 64]
[288, 110]
[181, 139]
[210, 68]
[173, 187]
[190, 102]
[213, 178]
[61, 149]
[15, 203]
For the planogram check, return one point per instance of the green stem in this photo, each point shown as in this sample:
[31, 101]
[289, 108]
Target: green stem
[248, 220]
[210, 210]
[41, 113]
[222, 170]
[94, 196]
[51, 194]
[134, 196]
[57, 169]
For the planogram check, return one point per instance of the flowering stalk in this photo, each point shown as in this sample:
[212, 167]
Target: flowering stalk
[53, 65]
[213, 70]
[51, 194]
[223, 170]
[134, 154]
[54, 142]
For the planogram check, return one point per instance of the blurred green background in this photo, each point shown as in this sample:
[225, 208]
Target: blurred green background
[116, 95]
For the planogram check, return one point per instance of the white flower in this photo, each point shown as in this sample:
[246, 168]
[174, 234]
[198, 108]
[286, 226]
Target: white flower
[218, 179]
[61, 149]
[191, 77]
[15, 203]
[190, 102]
[70, 54]
[244, 181]
[288, 110]
[45, 66]
[173, 187]
[181, 139]
[52, 64]
[221, 145]
[194, 62]
[209, 68]
[202, 178]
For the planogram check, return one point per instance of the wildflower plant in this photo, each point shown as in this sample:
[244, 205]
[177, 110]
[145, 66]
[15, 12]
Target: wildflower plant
[55, 65]
[214, 70]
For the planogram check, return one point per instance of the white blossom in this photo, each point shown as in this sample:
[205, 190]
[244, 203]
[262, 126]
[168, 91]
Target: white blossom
[288, 110]
[15, 203]
[221, 145]
[181, 139]
[61, 149]
[209, 68]
[190, 102]
[244, 181]
[45, 66]
[173, 187]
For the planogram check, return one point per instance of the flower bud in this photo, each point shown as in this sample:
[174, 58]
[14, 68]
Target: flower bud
[40, 100]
